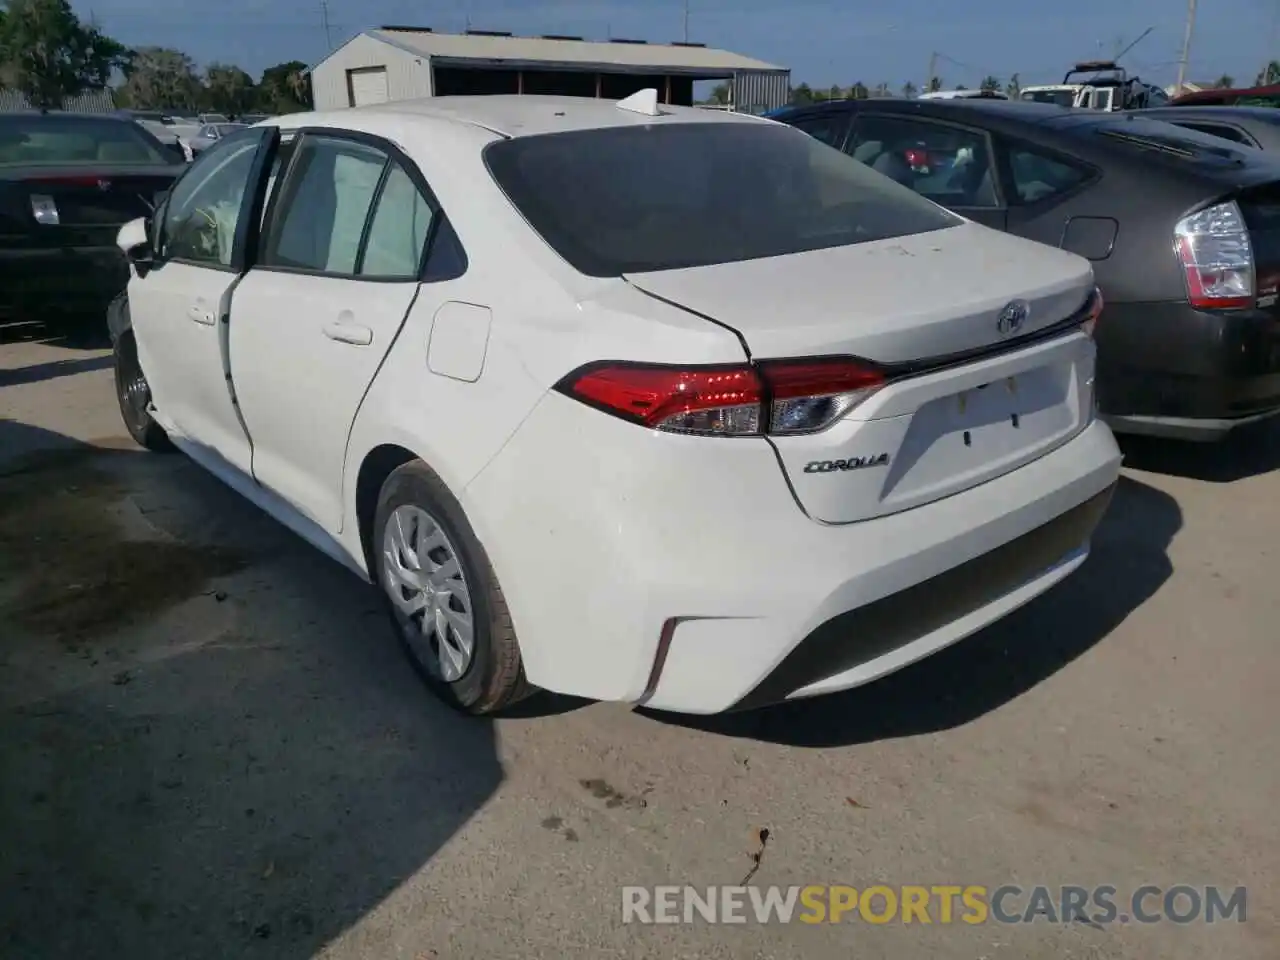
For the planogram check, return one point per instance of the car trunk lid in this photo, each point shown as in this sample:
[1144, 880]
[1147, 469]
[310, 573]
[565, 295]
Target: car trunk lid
[74, 206]
[974, 386]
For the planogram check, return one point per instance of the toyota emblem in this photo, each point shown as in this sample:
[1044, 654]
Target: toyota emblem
[1013, 318]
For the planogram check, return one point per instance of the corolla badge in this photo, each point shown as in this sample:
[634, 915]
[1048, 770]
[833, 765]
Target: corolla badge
[1013, 317]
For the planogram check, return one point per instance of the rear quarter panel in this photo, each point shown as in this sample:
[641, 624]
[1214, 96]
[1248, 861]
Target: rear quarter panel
[1146, 203]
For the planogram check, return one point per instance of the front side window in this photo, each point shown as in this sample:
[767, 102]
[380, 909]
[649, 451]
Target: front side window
[1038, 177]
[632, 199]
[204, 206]
[948, 165]
[324, 205]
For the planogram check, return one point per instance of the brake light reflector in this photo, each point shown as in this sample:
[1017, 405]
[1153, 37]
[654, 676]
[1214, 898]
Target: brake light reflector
[809, 395]
[780, 397]
[1217, 258]
[1096, 303]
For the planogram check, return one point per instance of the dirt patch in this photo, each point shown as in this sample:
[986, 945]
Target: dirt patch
[73, 566]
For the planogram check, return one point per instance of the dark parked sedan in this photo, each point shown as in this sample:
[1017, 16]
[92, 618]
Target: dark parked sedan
[1252, 126]
[67, 184]
[1183, 230]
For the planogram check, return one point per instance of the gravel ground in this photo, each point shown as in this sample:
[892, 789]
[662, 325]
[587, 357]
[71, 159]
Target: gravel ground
[211, 747]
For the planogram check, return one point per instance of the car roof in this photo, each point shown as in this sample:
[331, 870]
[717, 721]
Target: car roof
[523, 115]
[958, 108]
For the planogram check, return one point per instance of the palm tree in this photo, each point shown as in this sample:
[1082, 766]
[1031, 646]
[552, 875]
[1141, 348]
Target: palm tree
[990, 84]
[1225, 82]
[935, 84]
[1270, 74]
[859, 91]
[909, 90]
[1014, 87]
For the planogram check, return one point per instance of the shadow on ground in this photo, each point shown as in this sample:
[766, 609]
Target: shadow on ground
[210, 744]
[1247, 452]
[75, 332]
[1129, 562]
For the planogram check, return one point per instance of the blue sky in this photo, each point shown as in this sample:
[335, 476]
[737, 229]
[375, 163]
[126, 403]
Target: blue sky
[822, 41]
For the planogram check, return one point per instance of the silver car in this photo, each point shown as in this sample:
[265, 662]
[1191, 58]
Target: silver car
[211, 133]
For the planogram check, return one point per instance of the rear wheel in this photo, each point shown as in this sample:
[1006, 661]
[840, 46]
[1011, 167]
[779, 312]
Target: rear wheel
[134, 396]
[443, 596]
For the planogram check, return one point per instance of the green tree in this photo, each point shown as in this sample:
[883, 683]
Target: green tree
[836, 92]
[802, 95]
[1225, 82]
[859, 91]
[1270, 74]
[719, 93]
[229, 89]
[882, 90]
[935, 84]
[961, 86]
[284, 88]
[1014, 87]
[990, 84]
[909, 90]
[50, 55]
[160, 78]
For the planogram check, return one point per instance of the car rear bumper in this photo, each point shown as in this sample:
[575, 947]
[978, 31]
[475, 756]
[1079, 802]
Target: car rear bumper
[679, 572]
[70, 277]
[1167, 369]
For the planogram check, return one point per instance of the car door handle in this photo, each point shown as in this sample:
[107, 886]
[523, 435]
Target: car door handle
[345, 332]
[200, 315]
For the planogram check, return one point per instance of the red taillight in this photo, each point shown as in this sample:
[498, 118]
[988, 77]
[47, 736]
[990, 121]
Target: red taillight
[1217, 257]
[777, 397]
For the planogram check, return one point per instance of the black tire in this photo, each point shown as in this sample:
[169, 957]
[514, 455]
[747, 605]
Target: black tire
[494, 678]
[134, 395]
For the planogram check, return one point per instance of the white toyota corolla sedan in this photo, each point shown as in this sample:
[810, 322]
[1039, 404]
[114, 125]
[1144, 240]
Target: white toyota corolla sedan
[633, 402]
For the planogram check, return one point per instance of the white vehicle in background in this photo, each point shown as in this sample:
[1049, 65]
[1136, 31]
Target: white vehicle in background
[1109, 87]
[635, 402]
[963, 95]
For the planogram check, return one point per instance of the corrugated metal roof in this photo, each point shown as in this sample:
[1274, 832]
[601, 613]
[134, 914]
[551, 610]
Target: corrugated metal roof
[92, 101]
[623, 53]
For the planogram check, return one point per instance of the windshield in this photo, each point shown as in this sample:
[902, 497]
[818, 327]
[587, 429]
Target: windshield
[1063, 98]
[61, 141]
[663, 197]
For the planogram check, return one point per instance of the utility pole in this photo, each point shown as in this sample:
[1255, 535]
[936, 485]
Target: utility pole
[1186, 45]
[686, 21]
[933, 72]
[324, 19]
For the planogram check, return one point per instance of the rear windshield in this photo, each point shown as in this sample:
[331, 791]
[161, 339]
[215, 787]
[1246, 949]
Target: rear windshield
[668, 196]
[44, 140]
[1176, 141]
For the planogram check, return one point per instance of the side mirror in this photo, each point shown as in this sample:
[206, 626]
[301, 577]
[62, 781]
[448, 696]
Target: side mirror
[132, 238]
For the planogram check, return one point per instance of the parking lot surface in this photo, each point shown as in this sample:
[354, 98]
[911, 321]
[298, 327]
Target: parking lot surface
[210, 745]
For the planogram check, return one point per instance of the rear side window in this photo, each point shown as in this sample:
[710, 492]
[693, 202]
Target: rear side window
[324, 206]
[1174, 141]
[829, 128]
[62, 141]
[1039, 177]
[632, 199]
[949, 165]
[1215, 130]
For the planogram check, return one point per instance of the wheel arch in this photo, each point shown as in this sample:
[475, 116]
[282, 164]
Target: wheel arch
[119, 319]
[377, 465]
